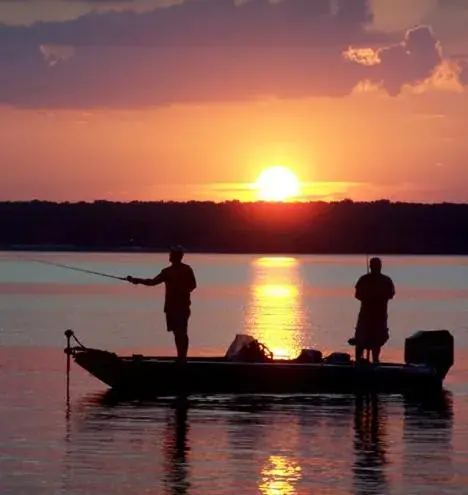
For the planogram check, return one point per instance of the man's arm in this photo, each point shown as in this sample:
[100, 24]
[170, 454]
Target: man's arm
[391, 288]
[149, 282]
[192, 281]
[358, 294]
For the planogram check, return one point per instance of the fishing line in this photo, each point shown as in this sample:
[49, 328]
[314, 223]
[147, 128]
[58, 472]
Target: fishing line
[74, 268]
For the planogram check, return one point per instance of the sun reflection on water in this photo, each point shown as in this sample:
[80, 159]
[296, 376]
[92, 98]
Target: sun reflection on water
[275, 313]
[276, 291]
[276, 261]
[279, 476]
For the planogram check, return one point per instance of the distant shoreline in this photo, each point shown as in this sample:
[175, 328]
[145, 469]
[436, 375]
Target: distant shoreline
[52, 249]
[314, 228]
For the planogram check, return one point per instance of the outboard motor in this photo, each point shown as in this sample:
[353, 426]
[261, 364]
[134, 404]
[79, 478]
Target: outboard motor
[432, 347]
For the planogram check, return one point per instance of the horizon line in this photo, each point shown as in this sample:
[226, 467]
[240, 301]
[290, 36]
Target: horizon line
[235, 201]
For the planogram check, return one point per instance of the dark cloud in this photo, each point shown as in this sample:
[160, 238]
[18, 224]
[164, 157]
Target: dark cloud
[411, 61]
[206, 50]
[116, 2]
[213, 23]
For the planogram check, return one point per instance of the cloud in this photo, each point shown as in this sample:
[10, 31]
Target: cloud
[56, 53]
[27, 12]
[412, 61]
[209, 51]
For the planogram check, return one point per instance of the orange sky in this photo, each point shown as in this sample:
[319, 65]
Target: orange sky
[203, 126]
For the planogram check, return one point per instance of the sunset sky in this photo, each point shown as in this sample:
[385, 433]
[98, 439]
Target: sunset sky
[161, 99]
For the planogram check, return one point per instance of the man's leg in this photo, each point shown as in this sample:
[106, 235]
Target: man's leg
[376, 354]
[359, 351]
[182, 344]
[180, 329]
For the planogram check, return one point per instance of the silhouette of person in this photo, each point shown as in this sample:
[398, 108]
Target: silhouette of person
[180, 281]
[374, 290]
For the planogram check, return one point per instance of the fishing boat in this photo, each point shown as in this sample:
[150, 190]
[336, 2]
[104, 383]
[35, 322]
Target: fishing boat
[248, 367]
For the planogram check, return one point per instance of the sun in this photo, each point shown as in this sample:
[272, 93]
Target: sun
[277, 184]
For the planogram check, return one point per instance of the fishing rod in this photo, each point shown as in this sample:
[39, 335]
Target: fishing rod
[76, 269]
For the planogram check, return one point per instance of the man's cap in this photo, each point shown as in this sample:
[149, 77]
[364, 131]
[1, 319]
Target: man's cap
[177, 248]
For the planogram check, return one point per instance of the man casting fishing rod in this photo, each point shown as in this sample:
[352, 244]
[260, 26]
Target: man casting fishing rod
[180, 283]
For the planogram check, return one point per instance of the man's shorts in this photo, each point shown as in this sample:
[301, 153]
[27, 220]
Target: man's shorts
[371, 337]
[177, 322]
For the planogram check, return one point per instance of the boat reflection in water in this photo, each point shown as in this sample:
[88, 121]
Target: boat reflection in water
[272, 445]
[427, 421]
[428, 441]
[275, 313]
[176, 449]
[370, 445]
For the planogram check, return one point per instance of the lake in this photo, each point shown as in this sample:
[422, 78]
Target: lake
[320, 444]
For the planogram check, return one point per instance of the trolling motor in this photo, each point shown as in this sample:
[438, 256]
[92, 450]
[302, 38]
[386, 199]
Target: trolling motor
[70, 351]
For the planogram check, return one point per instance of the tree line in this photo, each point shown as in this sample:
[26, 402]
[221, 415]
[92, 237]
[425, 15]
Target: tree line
[344, 227]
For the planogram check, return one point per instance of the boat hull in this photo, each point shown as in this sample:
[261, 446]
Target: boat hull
[161, 376]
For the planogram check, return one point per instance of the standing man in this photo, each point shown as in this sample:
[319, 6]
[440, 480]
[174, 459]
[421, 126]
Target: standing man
[374, 290]
[180, 282]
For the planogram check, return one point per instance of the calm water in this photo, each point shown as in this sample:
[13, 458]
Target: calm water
[223, 445]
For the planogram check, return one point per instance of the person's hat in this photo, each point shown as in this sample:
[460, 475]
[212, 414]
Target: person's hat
[177, 249]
